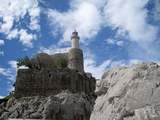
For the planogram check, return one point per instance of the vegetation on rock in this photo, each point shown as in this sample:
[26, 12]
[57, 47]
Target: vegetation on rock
[24, 62]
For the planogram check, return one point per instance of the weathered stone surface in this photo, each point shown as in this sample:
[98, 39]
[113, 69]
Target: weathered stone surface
[48, 81]
[43, 60]
[131, 93]
[62, 106]
[75, 59]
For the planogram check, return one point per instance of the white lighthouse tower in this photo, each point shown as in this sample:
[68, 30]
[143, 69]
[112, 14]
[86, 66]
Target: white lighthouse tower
[75, 40]
[75, 55]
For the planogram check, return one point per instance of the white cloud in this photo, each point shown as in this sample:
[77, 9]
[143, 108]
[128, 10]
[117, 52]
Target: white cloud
[111, 41]
[34, 13]
[54, 49]
[7, 24]
[118, 63]
[96, 70]
[130, 16]
[13, 34]
[120, 43]
[23, 67]
[9, 73]
[91, 66]
[1, 97]
[13, 12]
[1, 42]
[1, 53]
[26, 38]
[88, 17]
[157, 10]
[13, 64]
[84, 17]
[135, 61]
[2, 71]
[124, 63]
[34, 24]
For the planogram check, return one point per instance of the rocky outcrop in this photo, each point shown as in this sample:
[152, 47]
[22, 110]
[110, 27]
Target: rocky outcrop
[129, 93]
[46, 82]
[62, 106]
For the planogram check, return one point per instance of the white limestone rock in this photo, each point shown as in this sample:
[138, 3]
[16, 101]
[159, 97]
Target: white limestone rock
[129, 93]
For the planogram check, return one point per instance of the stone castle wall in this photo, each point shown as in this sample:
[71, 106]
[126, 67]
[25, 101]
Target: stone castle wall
[49, 81]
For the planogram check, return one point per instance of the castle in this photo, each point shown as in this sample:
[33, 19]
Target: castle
[44, 79]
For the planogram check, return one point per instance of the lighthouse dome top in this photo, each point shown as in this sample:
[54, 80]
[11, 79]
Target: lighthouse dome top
[75, 35]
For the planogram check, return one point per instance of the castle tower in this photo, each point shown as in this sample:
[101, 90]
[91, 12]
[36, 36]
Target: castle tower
[75, 55]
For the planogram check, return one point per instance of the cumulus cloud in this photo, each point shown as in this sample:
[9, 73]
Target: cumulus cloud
[1, 97]
[26, 38]
[2, 71]
[7, 73]
[10, 72]
[90, 64]
[157, 10]
[7, 24]
[83, 16]
[54, 49]
[88, 17]
[97, 70]
[1, 42]
[111, 41]
[12, 12]
[1, 53]
[13, 64]
[10, 76]
[130, 16]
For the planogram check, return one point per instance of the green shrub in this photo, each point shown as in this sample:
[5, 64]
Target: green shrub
[24, 61]
[62, 63]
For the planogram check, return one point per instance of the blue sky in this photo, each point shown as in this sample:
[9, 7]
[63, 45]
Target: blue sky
[113, 32]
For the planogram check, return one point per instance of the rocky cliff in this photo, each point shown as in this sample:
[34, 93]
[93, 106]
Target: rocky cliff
[129, 93]
[62, 106]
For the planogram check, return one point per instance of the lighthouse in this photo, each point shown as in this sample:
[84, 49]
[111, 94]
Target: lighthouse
[75, 40]
[75, 55]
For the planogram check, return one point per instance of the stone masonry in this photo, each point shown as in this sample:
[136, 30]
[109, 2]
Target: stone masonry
[52, 81]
